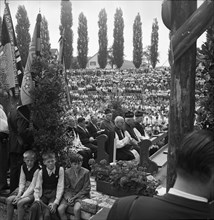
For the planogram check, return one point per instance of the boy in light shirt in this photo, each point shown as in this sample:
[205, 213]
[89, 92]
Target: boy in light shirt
[24, 193]
[48, 190]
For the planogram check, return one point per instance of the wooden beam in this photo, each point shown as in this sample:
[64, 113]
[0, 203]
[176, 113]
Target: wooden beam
[192, 29]
[182, 96]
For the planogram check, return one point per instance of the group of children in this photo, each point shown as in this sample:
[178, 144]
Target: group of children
[49, 189]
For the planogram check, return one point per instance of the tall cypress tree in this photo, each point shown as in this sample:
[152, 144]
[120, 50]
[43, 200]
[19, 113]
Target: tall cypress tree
[103, 41]
[82, 42]
[118, 45]
[22, 31]
[45, 39]
[66, 25]
[137, 41]
[154, 43]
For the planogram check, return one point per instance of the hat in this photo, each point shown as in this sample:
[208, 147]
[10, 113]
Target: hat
[129, 114]
[138, 114]
[107, 111]
[81, 119]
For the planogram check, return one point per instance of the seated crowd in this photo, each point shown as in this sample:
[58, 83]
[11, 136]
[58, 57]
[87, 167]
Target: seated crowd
[128, 132]
[49, 189]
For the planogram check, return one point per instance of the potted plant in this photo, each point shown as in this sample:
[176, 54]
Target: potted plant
[123, 178]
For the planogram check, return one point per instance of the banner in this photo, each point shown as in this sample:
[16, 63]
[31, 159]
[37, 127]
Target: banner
[34, 50]
[10, 62]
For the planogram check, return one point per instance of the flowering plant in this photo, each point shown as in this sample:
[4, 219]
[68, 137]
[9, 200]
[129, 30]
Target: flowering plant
[125, 176]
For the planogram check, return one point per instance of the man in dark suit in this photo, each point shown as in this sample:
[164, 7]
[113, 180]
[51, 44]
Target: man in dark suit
[87, 140]
[92, 127]
[129, 130]
[122, 143]
[138, 122]
[192, 194]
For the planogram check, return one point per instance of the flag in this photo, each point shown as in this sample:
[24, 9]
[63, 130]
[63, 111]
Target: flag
[27, 86]
[10, 62]
[62, 61]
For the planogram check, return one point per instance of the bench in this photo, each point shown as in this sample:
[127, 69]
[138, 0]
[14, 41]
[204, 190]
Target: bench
[89, 206]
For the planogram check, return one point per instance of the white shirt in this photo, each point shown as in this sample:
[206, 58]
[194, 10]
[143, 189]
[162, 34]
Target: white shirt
[59, 189]
[183, 194]
[22, 183]
[120, 143]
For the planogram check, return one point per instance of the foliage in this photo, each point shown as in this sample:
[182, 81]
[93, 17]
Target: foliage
[22, 31]
[45, 40]
[154, 43]
[103, 40]
[48, 107]
[146, 54]
[118, 45]
[66, 25]
[82, 42]
[206, 54]
[0, 27]
[126, 176]
[137, 42]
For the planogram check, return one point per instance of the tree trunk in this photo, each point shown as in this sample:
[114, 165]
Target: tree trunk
[182, 98]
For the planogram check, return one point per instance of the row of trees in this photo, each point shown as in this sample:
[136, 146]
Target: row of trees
[113, 54]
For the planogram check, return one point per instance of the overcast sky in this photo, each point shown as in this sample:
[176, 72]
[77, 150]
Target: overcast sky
[148, 11]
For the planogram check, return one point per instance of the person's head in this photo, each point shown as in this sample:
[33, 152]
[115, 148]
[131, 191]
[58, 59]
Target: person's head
[75, 160]
[108, 114]
[29, 158]
[119, 122]
[129, 118]
[81, 122]
[139, 116]
[93, 118]
[71, 121]
[49, 159]
[195, 160]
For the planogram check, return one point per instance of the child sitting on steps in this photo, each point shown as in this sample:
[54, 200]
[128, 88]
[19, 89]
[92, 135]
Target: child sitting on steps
[24, 193]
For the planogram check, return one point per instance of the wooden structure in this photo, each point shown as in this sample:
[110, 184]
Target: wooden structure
[152, 163]
[186, 25]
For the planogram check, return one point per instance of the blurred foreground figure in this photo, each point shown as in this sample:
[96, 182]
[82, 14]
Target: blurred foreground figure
[192, 194]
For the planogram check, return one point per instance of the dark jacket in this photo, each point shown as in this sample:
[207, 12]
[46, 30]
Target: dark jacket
[160, 207]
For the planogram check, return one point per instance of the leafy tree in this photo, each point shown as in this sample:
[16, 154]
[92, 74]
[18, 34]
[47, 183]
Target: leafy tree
[154, 43]
[103, 41]
[110, 57]
[207, 58]
[49, 108]
[137, 42]
[65, 28]
[0, 27]
[146, 54]
[118, 45]
[82, 42]
[22, 31]
[45, 39]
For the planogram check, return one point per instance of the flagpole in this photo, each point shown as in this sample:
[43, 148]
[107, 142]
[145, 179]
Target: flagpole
[62, 61]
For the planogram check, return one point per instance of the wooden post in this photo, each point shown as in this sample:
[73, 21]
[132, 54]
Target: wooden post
[182, 98]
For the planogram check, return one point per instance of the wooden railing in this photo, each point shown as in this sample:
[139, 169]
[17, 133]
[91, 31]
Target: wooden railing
[106, 144]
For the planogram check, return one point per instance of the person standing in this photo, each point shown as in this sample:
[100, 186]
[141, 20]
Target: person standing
[3, 149]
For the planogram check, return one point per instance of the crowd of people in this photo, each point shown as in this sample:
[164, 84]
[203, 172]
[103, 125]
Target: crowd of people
[141, 111]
